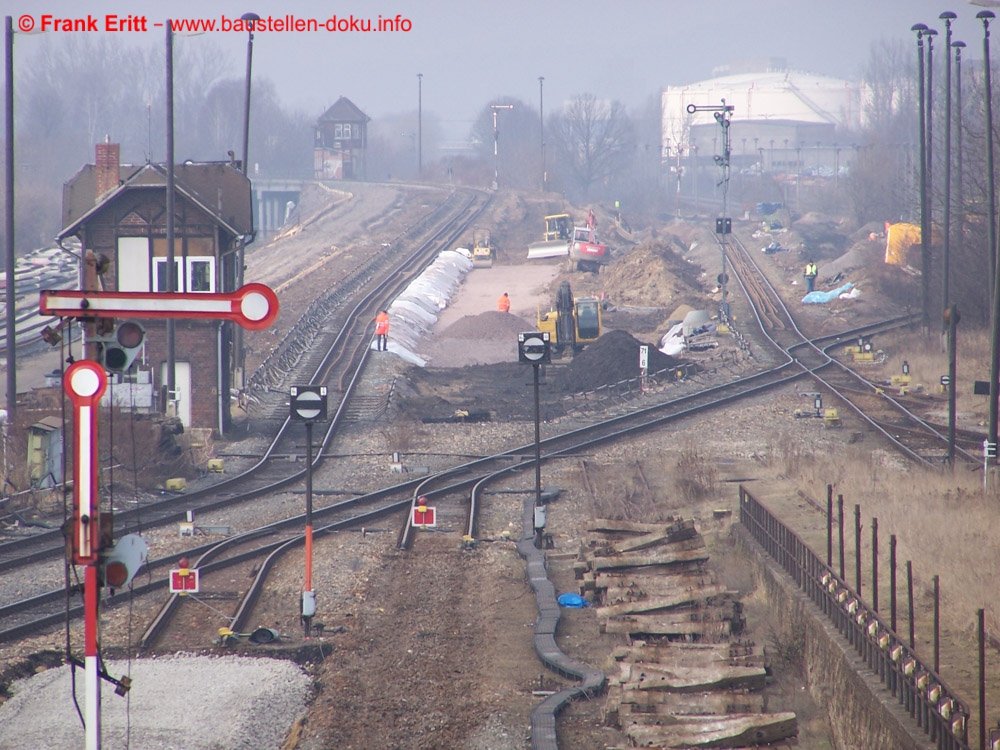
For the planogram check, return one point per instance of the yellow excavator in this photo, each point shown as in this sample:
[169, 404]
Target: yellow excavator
[482, 249]
[574, 323]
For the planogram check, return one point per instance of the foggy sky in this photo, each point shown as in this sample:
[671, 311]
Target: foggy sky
[470, 52]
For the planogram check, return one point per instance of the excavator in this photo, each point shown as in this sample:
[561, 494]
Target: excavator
[585, 251]
[555, 239]
[574, 323]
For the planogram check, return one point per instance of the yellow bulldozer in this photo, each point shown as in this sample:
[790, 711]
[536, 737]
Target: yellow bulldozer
[574, 323]
[555, 240]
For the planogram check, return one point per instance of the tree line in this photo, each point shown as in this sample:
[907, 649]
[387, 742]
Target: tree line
[79, 90]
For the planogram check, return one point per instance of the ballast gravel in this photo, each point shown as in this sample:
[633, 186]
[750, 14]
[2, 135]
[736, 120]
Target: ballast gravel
[189, 702]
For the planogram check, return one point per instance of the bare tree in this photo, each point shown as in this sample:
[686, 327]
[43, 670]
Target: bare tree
[594, 140]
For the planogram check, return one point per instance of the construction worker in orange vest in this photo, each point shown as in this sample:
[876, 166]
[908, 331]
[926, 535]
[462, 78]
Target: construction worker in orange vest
[503, 304]
[381, 331]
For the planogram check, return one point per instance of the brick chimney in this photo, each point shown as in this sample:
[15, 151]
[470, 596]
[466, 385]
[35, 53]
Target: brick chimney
[106, 169]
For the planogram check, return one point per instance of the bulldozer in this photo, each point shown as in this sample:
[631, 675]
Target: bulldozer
[555, 240]
[574, 323]
[482, 249]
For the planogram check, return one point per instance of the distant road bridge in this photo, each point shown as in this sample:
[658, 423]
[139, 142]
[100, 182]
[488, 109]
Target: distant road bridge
[274, 199]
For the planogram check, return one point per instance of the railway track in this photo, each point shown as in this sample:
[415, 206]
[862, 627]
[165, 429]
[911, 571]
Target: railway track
[895, 419]
[337, 359]
[340, 366]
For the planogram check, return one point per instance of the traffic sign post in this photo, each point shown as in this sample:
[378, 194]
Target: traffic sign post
[308, 404]
[643, 365]
[534, 348]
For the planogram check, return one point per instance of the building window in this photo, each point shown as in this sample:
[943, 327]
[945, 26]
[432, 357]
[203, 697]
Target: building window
[160, 275]
[338, 130]
[347, 130]
[201, 274]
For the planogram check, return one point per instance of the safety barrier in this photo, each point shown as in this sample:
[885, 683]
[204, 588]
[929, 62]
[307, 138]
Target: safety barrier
[941, 714]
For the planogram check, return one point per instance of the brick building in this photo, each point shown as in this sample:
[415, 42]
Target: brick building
[118, 211]
[341, 142]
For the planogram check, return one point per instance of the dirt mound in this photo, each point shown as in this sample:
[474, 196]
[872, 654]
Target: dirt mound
[653, 275]
[610, 359]
[491, 324]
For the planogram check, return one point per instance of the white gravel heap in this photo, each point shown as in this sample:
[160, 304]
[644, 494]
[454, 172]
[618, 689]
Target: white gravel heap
[191, 702]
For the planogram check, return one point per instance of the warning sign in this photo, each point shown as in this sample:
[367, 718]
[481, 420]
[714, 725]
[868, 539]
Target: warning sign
[184, 581]
[424, 515]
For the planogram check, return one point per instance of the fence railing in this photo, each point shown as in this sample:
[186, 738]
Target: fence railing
[935, 707]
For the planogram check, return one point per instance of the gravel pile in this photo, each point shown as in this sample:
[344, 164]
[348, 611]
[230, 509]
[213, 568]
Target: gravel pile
[196, 703]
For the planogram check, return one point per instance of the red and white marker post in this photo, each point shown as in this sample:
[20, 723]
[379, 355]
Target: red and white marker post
[85, 383]
[253, 306]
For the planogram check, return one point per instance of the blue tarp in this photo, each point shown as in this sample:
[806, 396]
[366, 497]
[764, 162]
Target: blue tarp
[821, 298]
[572, 600]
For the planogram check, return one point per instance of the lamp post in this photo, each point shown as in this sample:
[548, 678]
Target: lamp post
[930, 34]
[541, 126]
[947, 17]
[496, 140]
[9, 213]
[250, 19]
[958, 47]
[921, 28]
[420, 124]
[171, 265]
[986, 16]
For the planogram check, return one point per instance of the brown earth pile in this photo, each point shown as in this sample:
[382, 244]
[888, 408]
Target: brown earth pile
[610, 359]
[654, 275]
[491, 324]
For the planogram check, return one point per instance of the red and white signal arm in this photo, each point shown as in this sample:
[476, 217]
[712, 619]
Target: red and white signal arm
[424, 515]
[184, 581]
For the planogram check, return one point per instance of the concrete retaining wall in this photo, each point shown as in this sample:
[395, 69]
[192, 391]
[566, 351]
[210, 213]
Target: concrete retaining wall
[863, 714]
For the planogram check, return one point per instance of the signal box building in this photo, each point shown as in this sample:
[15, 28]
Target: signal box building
[341, 142]
[119, 212]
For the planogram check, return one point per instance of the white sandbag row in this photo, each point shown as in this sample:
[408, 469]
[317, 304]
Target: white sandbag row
[415, 311]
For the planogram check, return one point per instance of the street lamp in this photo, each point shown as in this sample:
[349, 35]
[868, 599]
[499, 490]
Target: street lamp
[541, 127]
[958, 47]
[930, 34]
[921, 29]
[250, 19]
[947, 17]
[9, 253]
[420, 124]
[986, 16]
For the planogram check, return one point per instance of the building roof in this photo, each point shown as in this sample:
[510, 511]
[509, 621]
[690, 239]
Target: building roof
[217, 188]
[344, 110]
[771, 96]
